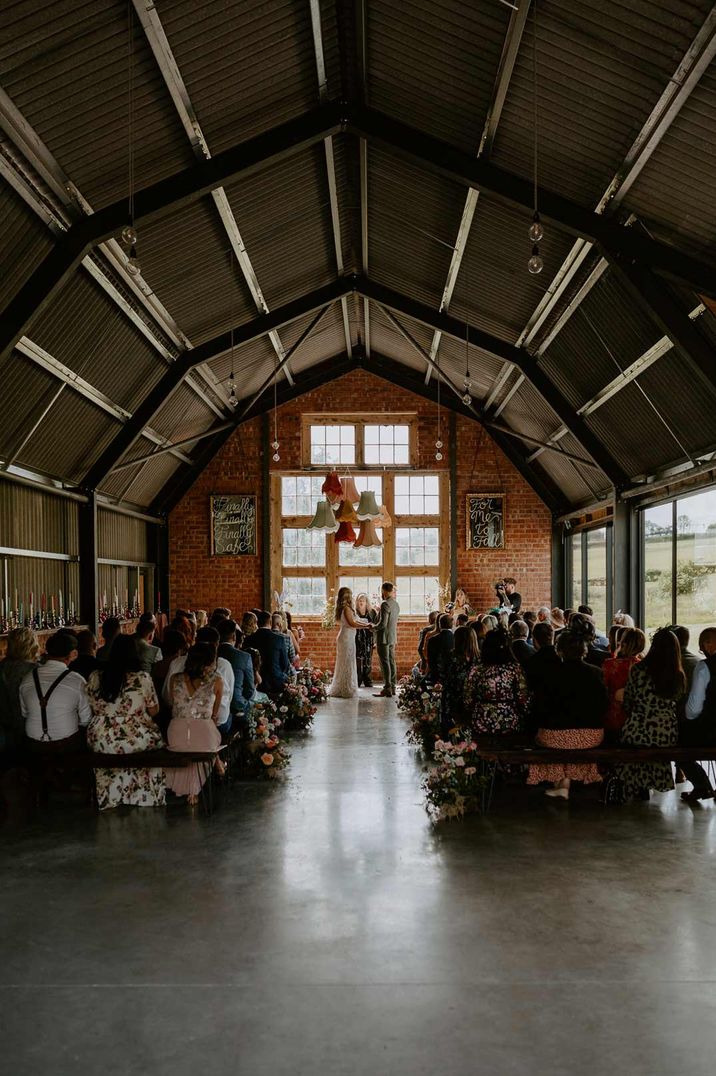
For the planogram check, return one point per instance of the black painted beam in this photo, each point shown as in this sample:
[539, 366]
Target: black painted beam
[172, 193]
[219, 345]
[520, 357]
[88, 550]
[477, 172]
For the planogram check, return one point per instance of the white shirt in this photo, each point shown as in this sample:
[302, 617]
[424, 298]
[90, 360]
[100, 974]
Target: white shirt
[697, 696]
[223, 669]
[67, 709]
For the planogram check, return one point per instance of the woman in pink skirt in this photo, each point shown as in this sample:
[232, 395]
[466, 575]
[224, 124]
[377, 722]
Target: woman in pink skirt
[576, 701]
[195, 697]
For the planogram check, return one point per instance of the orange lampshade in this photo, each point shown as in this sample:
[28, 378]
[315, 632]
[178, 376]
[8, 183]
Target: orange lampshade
[332, 487]
[346, 513]
[345, 533]
[367, 534]
[383, 519]
[350, 493]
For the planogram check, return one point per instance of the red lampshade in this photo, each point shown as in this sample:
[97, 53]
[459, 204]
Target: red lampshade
[332, 487]
[345, 533]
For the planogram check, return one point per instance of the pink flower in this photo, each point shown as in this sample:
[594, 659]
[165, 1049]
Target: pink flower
[469, 770]
[460, 761]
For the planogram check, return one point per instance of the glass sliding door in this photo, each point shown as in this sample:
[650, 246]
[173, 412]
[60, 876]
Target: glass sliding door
[659, 550]
[598, 576]
[695, 576]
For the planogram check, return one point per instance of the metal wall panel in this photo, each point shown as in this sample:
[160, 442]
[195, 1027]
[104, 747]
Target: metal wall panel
[64, 64]
[33, 519]
[121, 537]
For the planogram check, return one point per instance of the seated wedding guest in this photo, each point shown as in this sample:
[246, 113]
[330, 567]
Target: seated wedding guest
[86, 661]
[53, 699]
[279, 625]
[568, 614]
[461, 620]
[689, 660]
[297, 633]
[699, 727]
[530, 620]
[218, 615]
[249, 624]
[461, 604]
[615, 633]
[440, 648]
[616, 673]
[496, 693]
[556, 619]
[522, 650]
[465, 654]
[259, 696]
[173, 646]
[653, 690]
[21, 658]
[584, 626]
[183, 625]
[573, 718]
[482, 627]
[110, 630]
[431, 628]
[147, 651]
[539, 673]
[210, 637]
[365, 641]
[275, 667]
[623, 620]
[600, 638]
[202, 618]
[544, 615]
[195, 697]
[242, 665]
[124, 704]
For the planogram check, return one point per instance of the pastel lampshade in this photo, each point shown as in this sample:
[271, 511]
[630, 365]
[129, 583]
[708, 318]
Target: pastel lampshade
[367, 534]
[345, 533]
[332, 487]
[324, 520]
[367, 509]
[384, 519]
[350, 492]
[346, 513]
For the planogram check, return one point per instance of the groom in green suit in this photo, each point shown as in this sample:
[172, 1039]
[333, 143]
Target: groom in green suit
[386, 637]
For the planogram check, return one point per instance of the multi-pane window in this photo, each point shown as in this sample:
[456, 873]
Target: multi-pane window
[386, 444]
[333, 444]
[417, 546]
[300, 494]
[417, 594]
[370, 556]
[306, 594]
[362, 584]
[417, 495]
[590, 569]
[303, 548]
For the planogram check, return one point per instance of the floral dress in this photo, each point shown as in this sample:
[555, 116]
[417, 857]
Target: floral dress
[651, 722]
[453, 710]
[124, 727]
[496, 697]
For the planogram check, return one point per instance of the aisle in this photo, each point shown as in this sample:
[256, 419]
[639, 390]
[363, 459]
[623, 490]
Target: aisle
[321, 925]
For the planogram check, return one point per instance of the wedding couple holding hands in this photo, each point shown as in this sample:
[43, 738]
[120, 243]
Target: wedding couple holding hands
[384, 625]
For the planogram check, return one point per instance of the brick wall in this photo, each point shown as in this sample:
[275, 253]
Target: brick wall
[201, 581]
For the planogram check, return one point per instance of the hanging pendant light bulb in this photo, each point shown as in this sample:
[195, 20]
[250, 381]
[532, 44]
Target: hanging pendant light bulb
[129, 235]
[438, 440]
[536, 231]
[133, 264]
[275, 442]
[466, 396]
[535, 264]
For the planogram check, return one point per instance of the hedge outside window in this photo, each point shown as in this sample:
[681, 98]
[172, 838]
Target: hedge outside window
[414, 554]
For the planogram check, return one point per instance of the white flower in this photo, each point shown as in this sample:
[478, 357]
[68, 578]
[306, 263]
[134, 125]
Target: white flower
[460, 761]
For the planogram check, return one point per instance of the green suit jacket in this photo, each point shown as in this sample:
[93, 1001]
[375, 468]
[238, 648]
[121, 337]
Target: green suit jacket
[386, 632]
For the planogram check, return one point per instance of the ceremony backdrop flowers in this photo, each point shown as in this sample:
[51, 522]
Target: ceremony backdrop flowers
[454, 786]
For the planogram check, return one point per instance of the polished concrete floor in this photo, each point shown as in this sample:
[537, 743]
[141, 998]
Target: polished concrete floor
[322, 925]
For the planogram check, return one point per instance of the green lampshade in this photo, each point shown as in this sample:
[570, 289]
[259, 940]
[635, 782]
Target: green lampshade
[324, 519]
[367, 508]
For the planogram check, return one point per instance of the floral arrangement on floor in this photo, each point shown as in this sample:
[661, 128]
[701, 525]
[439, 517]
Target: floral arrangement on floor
[420, 703]
[315, 681]
[295, 708]
[263, 754]
[454, 786]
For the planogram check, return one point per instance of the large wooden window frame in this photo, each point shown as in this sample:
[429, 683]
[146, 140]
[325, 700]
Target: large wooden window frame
[360, 420]
[389, 570]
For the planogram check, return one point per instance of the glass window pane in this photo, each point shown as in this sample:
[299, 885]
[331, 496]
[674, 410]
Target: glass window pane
[402, 485]
[371, 435]
[303, 548]
[658, 575]
[696, 562]
[363, 584]
[333, 435]
[416, 594]
[432, 484]
[576, 595]
[372, 454]
[402, 434]
[363, 557]
[597, 576]
[306, 596]
[401, 454]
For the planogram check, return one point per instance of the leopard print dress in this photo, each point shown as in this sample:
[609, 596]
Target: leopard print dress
[651, 722]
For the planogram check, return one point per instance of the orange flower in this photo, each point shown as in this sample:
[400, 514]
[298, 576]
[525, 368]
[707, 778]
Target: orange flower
[267, 759]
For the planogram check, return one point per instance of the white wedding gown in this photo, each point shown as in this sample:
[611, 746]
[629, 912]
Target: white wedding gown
[345, 675]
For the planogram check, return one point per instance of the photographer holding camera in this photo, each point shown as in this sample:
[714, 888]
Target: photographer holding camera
[507, 596]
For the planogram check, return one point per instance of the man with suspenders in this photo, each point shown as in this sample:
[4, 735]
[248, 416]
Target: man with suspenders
[53, 700]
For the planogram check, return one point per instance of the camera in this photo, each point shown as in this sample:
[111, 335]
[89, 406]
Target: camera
[499, 585]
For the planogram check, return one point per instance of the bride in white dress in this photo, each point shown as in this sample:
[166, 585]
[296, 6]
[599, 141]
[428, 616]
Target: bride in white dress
[345, 676]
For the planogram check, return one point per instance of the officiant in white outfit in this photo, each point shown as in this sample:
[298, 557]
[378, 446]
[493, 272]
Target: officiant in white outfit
[345, 675]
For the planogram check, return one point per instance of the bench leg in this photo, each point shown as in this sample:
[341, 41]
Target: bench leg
[489, 769]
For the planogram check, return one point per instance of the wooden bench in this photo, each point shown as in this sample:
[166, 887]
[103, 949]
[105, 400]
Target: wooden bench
[516, 750]
[163, 758]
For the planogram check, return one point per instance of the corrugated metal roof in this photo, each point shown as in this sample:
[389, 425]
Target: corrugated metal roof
[413, 220]
[570, 477]
[602, 66]
[26, 390]
[633, 433]
[436, 67]
[64, 64]
[25, 242]
[150, 480]
[70, 440]
[183, 414]
[675, 192]
[247, 66]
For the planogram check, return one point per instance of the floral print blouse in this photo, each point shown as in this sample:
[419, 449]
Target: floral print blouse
[497, 698]
[123, 726]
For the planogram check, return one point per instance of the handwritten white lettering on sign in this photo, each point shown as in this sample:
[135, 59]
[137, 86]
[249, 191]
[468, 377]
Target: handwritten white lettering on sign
[485, 520]
[233, 525]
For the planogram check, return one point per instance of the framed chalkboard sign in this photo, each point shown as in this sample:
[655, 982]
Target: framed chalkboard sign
[485, 520]
[233, 525]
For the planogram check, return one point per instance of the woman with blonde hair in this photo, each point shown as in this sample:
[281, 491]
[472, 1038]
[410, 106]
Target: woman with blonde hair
[345, 675]
[23, 650]
[249, 624]
[202, 618]
[461, 604]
